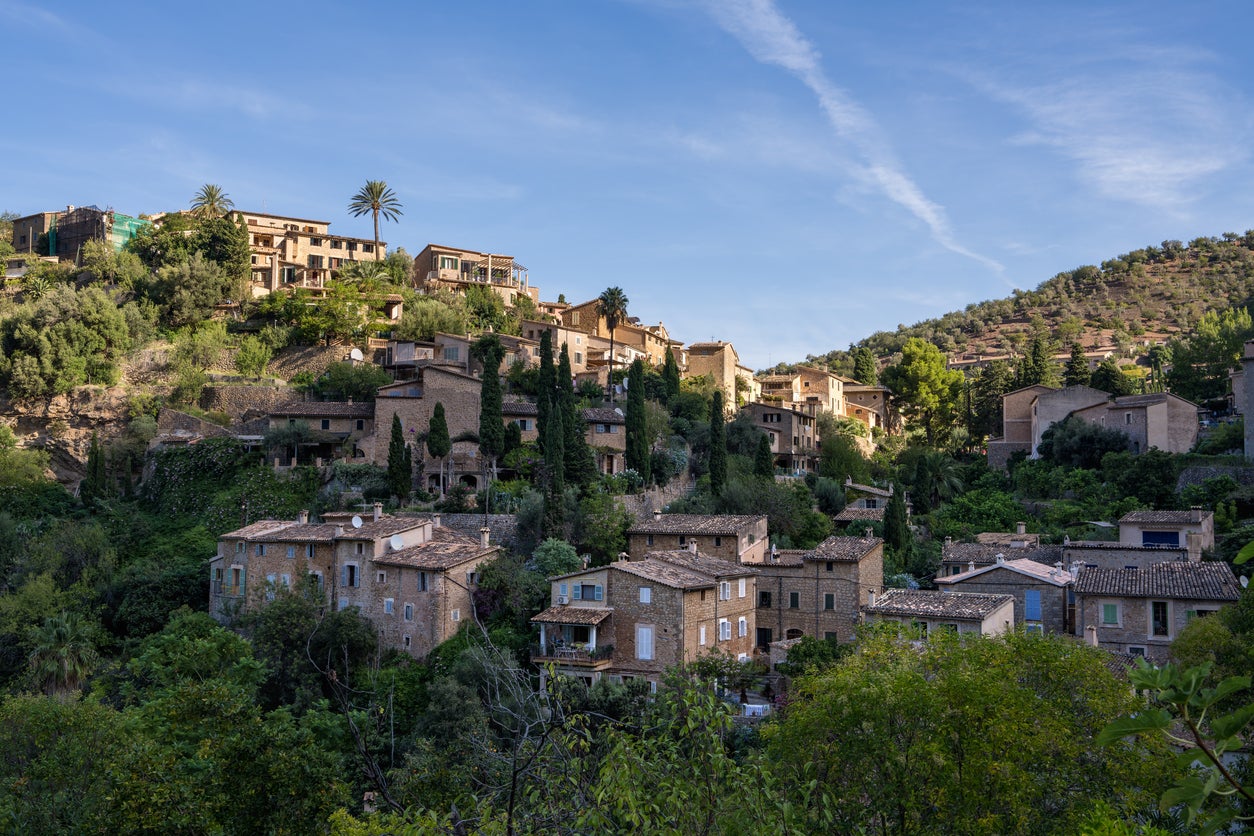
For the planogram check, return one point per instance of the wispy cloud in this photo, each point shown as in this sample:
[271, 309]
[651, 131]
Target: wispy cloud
[771, 38]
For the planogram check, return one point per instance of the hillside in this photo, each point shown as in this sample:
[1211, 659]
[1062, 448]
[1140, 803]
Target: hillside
[1131, 301]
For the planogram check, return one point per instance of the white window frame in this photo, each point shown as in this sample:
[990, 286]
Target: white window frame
[744, 582]
[724, 591]
[456, 615]
[701, 635]
[408, 611]
[389, 606]
[645, 650]
[646, 595]
[724, 630]
[742, 627]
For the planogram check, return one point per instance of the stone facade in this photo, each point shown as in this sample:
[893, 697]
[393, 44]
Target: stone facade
[818, 592]
[239, 401]
[793, 435]
[299, 252]
[739, 539]
[414, 402]
[1039, 591]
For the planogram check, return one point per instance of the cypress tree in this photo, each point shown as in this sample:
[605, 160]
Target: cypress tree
[398, 474]
[439, 444]
[96, 483]
[579, 463]
[554, 473]
[491, 426]
[1077, 372]
[864, 370]
[545, 380]
[637, 453]
[718, 444]
[763, 460]
[896, 530]
[670, 376]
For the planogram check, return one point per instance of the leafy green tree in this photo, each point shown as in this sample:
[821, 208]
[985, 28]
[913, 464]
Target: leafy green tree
[986, 390]
[375, 198]
[934, 477]
[670, 375]
[1077, 371]
[1150, 476]
[602, 527]
[841, 459]
[187, 292]
[612, 307]
[924, 389]
[425, 316]
[400, 467]
[1109, 378]
[1037, 365]
[63, 654]
[224, 241]
[763, 459]
[348, 381]
[252, 357]
[1201, 361]
[718, 445]
[1077, 443]
[637, 452]
[439, 445]
[864, 366]
[211, 201]
[555, 557]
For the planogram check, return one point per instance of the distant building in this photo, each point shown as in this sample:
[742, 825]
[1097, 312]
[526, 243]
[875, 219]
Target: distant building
[737, 538]
[930, 611]
[455, 269]
[68, 231]
[1042, 593]
[818, 592]
[288, 253]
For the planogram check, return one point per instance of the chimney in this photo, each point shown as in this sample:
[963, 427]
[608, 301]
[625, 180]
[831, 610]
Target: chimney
[435, 520]
[657, 515]
[378, 510]
[1021, 528]
[1195, 514]
[692, 547]
[774, 553]
[868, 532]
[870, 597]
[339, 531]
[971, 566]
[1090, 635]
[587, 558]
[1001, 558]
[302, 518]
[485, 534]
[949, 541]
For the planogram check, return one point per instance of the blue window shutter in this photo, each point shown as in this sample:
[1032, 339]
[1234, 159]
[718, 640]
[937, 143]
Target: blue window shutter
[598, 592]
[343, 576]
[576, 591]
[1032, 605]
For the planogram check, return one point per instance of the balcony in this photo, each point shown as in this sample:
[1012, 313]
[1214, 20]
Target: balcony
[573, 655]
[228, 590]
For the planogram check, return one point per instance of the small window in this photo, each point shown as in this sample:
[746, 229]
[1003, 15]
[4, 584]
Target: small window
[1134, 650]
[422, 581]
[239, 547]
[381, 577]
[1035, 629]
[764, 599]
[701, 635]
[649, 540]
[405, 642]
[326, 423]
[742, 627]
[409, 612]
[829, 601]
[743, 586]
[646, 595]
[361, 548]
[261, 549]
[724, 630]
[724, 591]
[718, 541]
[1032, 605]
[349, 575]
[291, 552]
[644, 641]
[309, 550]
[388, 606]
[794, 600]
[830, 566]
[456, 615]
[1160, 623]
[361, 424]
[1110, 615]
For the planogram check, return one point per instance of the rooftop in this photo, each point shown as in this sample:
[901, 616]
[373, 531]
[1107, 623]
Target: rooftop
[665, 573]
[982, 553]
[445, 550]
[321, 409]
[1170, 517]
[839, 548]
[730, 524]
[929, 603]
[572, 615]
[851, 514]
[697, 562]
[1208, 581]
[1030, 569]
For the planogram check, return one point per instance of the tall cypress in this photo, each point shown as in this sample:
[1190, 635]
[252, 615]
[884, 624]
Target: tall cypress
[637, 453]
[544, 399]
[491, 425]
[581, 467]
[896, 530]
[398, 475]
[718, 444]
[1077, 372]
[96, 483]
[439, 444]
[554, 471]
[864, 370]
[670, 376]
[763, 460]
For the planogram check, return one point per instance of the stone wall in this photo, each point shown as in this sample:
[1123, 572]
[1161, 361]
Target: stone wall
[244, 403]
[1006, 582]
[173, 422]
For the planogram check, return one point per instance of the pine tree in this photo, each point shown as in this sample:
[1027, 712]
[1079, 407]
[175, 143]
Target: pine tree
[439, 444]
[637, 453]
[763, 460]
[718, 444]
[670, 376]
[399, 476]
[1077, 372]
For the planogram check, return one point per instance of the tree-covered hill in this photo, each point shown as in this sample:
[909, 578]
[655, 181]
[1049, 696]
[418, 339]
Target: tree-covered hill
[1144, 296]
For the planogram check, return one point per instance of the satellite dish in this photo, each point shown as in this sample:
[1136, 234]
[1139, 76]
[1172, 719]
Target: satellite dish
[396, 542]
[356, 521]
[356, 354]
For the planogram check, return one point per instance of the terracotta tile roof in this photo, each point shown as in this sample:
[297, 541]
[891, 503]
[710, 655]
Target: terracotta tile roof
[325, 409]
[1112, 546]
[928, 603]
[871, 489]
[696, 524]
[1141, 400]
[519, 408]
[604, 415]
[572, 615]
[257, 529]
[667, 574]
[836, 548]
[981, 553]
[850, 514]
[1172, 517]
[714, 566]
[445, 550]
[371, 529]
[297, 533]
[383, 527]
[785, 557]
[1030, 569]
[1208, 581]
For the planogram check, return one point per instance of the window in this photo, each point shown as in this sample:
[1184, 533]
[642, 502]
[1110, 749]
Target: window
[829, 636]
[315, 578]
[239, 547]
[456, 615]
[562, 590]
[794, 600]
[405, 642]
[409, 612]
[314, 262]
[586, 592]
[523, 424]
[1127, 417]
[1032, 605]
[578, 358]
[348, 575]
[1160, 623]
[448, 262]
[701, 635]
[724, 590]
[309, 550]
[764, 599]
[452, 352]
[649, 540]
[337, 244]
[742, 627]
[1110, 615]
[291, 552]
[261, 549]
[1160, 538]
[1035, 629]
[724, 630]
[1192, 614]
[829, 601]
[361, 548]
[718, 541]
[361, 423]
[772, 418]
[388, 606]
[1134, 650]
[422, 581]
[270, 582]
[326, 423]
[871, 503]
[743, 582]
[646, 595]
[683, 540]
[367, 248]
[644, 641]
[920, 628]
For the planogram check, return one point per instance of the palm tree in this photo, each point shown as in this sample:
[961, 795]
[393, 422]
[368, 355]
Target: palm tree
[377, 198]
[612, 304]
[211, 202]
[62, 655]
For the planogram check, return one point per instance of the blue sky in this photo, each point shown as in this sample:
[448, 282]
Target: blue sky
[791, 176]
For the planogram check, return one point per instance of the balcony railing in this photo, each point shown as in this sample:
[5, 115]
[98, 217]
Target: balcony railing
[568, 654]
[229, 590]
